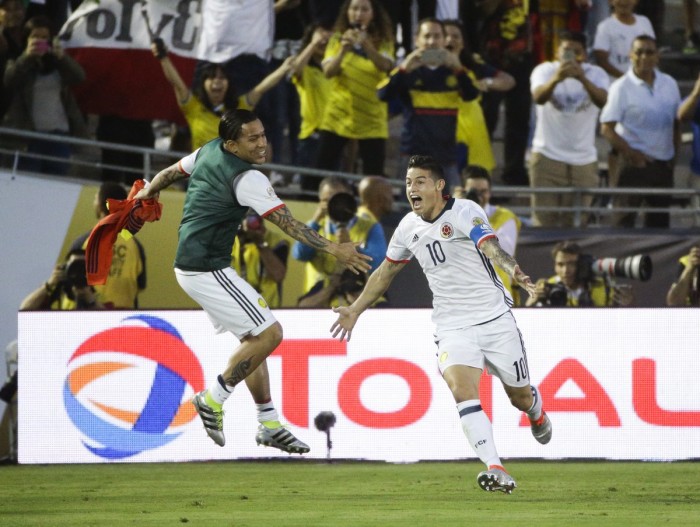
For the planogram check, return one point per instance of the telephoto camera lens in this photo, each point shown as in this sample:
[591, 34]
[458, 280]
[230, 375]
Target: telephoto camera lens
[637, 267]
[342, 207]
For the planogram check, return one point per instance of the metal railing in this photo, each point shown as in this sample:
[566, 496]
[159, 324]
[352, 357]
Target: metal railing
[85, 163]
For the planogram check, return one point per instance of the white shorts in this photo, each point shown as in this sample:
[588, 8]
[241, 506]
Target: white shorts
[497, 344]
[231, 303]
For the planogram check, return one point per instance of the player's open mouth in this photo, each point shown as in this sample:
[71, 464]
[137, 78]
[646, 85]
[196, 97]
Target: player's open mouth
[416, 201]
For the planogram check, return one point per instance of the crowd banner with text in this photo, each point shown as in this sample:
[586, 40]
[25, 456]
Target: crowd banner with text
[111, 39]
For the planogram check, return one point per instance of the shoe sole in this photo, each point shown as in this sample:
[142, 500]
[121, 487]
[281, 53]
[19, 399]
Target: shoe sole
[283, 448]
[490, 483]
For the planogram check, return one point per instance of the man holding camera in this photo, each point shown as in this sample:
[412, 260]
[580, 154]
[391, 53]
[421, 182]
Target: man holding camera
[66, 289]
[574, 286]
[260, 260]
[336, 219]
[568, 93]
[430, 83]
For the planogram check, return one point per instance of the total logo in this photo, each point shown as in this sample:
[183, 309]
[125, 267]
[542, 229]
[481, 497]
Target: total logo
[106, 374]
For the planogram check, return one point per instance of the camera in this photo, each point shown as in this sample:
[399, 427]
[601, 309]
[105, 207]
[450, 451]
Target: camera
[556, 295]
[473, 195]
[342, 207]
[74, 273]
[42, 46]
[253, 222]
[433, 57]
[350, 283]
[637, 267]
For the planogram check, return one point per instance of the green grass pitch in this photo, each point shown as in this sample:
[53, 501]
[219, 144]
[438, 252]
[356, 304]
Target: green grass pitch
[314, 493]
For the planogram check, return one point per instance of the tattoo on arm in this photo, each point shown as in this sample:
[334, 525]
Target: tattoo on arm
[166, 177]
[283, 218]
[497, 255]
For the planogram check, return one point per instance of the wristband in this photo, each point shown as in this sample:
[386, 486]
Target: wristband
[162, 51]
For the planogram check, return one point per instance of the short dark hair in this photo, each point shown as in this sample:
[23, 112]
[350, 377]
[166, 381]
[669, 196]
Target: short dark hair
[429, 20]
[110, 190]
[566, 247]
[645, 38]
[232, 122]
[476, 172]
[336, 182]
[573, 36]
[36, 22]
[427, 163]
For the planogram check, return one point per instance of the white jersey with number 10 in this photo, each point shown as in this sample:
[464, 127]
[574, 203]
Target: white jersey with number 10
[466, 289]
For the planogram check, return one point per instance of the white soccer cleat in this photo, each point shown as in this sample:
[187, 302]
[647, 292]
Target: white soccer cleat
[212, 419]
[280, 438]
[496, 479]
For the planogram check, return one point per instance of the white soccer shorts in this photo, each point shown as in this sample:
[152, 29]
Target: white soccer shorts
[231, 303]
[497, 345]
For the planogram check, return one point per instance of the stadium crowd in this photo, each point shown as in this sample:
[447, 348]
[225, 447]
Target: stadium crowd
[330, 79]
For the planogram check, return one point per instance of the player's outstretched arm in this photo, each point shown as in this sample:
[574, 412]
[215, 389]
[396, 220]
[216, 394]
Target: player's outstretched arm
[375, 287]
[505, 261]
[162, 179]
[346, 253]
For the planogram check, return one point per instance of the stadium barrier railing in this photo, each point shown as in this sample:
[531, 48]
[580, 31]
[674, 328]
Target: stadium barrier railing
[85, 163]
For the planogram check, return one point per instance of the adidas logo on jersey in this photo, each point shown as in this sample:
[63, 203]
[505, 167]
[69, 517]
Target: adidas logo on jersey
[415, 238]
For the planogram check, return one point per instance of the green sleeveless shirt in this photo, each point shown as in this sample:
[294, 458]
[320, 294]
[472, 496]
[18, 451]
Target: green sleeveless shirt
[211, 215]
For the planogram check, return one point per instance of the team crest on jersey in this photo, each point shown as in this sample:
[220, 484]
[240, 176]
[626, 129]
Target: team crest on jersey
[477, 221]
[262, 303]
[271, 192]
[446, 230]
[451, 81]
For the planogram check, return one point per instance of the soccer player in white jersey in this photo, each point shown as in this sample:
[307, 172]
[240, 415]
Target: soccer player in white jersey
[455, 246]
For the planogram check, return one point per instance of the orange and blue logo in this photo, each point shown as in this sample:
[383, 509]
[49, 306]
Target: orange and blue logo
[146, 348]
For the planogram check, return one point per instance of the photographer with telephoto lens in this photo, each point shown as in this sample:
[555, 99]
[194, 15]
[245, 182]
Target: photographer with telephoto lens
[66, 289]
[584, 281]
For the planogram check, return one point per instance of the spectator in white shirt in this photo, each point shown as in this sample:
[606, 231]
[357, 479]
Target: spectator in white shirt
[639, 120]
[568, 93]
[614, 36]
